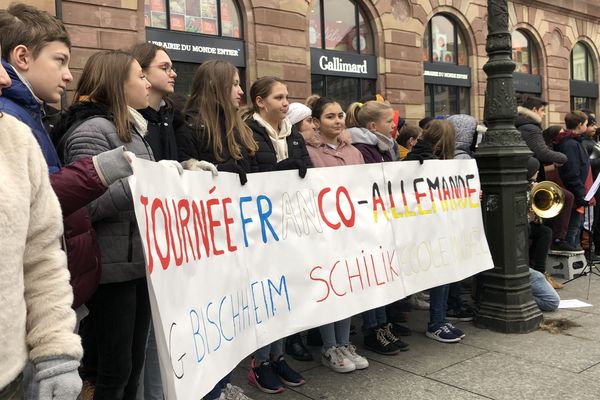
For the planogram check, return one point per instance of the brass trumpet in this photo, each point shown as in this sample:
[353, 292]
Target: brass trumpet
[546, 200]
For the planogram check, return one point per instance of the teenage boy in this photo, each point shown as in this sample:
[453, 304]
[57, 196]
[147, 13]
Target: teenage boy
[35, 53]
[575, 171]
[530, 115]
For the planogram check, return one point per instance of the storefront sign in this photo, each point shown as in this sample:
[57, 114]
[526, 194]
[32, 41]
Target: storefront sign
[447, 74]
[326, 62]
[194, 48]
[232, 268]
[527, 83]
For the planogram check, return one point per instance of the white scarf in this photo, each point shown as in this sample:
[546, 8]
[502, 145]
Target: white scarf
[138, 121]
[278, 138]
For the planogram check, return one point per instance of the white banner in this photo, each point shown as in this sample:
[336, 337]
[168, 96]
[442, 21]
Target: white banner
[232, 268]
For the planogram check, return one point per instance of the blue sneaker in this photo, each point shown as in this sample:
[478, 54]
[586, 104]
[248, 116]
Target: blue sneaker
[265, 378]
[287, 375]
[442, 333]
[455, 330]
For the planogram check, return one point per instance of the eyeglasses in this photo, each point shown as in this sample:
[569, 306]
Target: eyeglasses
[168, 68]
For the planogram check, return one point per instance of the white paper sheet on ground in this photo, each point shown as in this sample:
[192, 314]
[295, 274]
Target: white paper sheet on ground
[573, 303]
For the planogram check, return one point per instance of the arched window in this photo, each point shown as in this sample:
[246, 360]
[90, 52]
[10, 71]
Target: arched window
[583, 87]
[446, 70]
[194, 31]
[342, 62]
[526, 76]
[523, 53]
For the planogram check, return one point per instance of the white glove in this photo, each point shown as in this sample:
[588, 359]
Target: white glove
[172, 164]
[58, 379]
[194, 165]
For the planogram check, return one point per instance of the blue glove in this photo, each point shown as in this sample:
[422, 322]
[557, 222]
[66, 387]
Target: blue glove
[58, 379]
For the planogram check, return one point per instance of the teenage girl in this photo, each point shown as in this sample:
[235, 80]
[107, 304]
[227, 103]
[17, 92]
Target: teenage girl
[279, 148]
[214, 131]
[369, 126]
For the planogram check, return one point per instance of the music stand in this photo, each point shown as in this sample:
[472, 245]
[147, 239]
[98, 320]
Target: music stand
[588, 269]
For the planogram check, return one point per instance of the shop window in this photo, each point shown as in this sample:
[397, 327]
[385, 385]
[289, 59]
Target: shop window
[524, 54]
[527, 67]
[343, 89]
[339, 32]
[441, 100]
[583, 86]
[185, 77]
[444, 42]
[582, 66]
[208, 17]
[446, 70]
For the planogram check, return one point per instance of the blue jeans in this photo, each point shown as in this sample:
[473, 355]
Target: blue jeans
[274, 349]
[215, 393]
[574, 230]
[372, 319]
[335, 334]
[150, 387]
[438, 304]
[543, 293]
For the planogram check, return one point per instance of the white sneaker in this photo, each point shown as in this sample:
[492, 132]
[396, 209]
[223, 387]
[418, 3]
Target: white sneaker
[232, 392]
[350, 353]
[335, 360]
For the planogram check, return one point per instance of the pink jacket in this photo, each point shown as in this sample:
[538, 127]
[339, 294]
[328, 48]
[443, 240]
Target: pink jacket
[322, 155]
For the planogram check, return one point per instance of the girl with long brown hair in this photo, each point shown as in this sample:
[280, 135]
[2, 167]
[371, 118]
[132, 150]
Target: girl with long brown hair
[213, 129]
[102, 117]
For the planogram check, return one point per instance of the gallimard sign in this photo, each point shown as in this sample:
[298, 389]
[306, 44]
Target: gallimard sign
[325, 62]
[193, 48]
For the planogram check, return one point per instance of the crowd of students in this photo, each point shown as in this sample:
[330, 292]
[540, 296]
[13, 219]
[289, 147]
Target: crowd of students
[124, 106]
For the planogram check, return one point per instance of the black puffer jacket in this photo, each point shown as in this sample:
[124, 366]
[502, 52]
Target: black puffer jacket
[266, 158]
[161, 132]
[192, 142]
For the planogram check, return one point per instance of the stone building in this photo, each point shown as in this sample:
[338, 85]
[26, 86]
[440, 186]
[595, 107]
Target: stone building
[424, 56]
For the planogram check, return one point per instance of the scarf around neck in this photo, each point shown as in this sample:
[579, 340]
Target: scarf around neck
[277, 138]
[138, 121]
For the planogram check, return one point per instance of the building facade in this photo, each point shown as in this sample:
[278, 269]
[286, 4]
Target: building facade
[424, 56]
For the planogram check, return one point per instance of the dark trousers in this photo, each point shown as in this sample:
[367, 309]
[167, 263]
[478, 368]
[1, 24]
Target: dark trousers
[122, 319]
[540, 238]
[560, 223]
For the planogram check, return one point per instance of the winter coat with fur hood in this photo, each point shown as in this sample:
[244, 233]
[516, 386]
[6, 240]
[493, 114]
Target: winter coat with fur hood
[374, 147]
[112, 213]
[323, 155]
[530, 126]
[36, 316]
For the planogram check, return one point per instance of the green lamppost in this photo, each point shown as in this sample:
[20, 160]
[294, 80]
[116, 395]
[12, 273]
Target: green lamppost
[505, 303]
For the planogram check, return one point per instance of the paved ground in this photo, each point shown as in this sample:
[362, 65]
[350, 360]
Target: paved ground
[485, 365]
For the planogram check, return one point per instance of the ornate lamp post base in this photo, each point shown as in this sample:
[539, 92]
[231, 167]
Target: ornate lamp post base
[505, 303]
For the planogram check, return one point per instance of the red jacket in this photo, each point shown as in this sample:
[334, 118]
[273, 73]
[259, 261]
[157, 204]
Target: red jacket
[75, 186]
